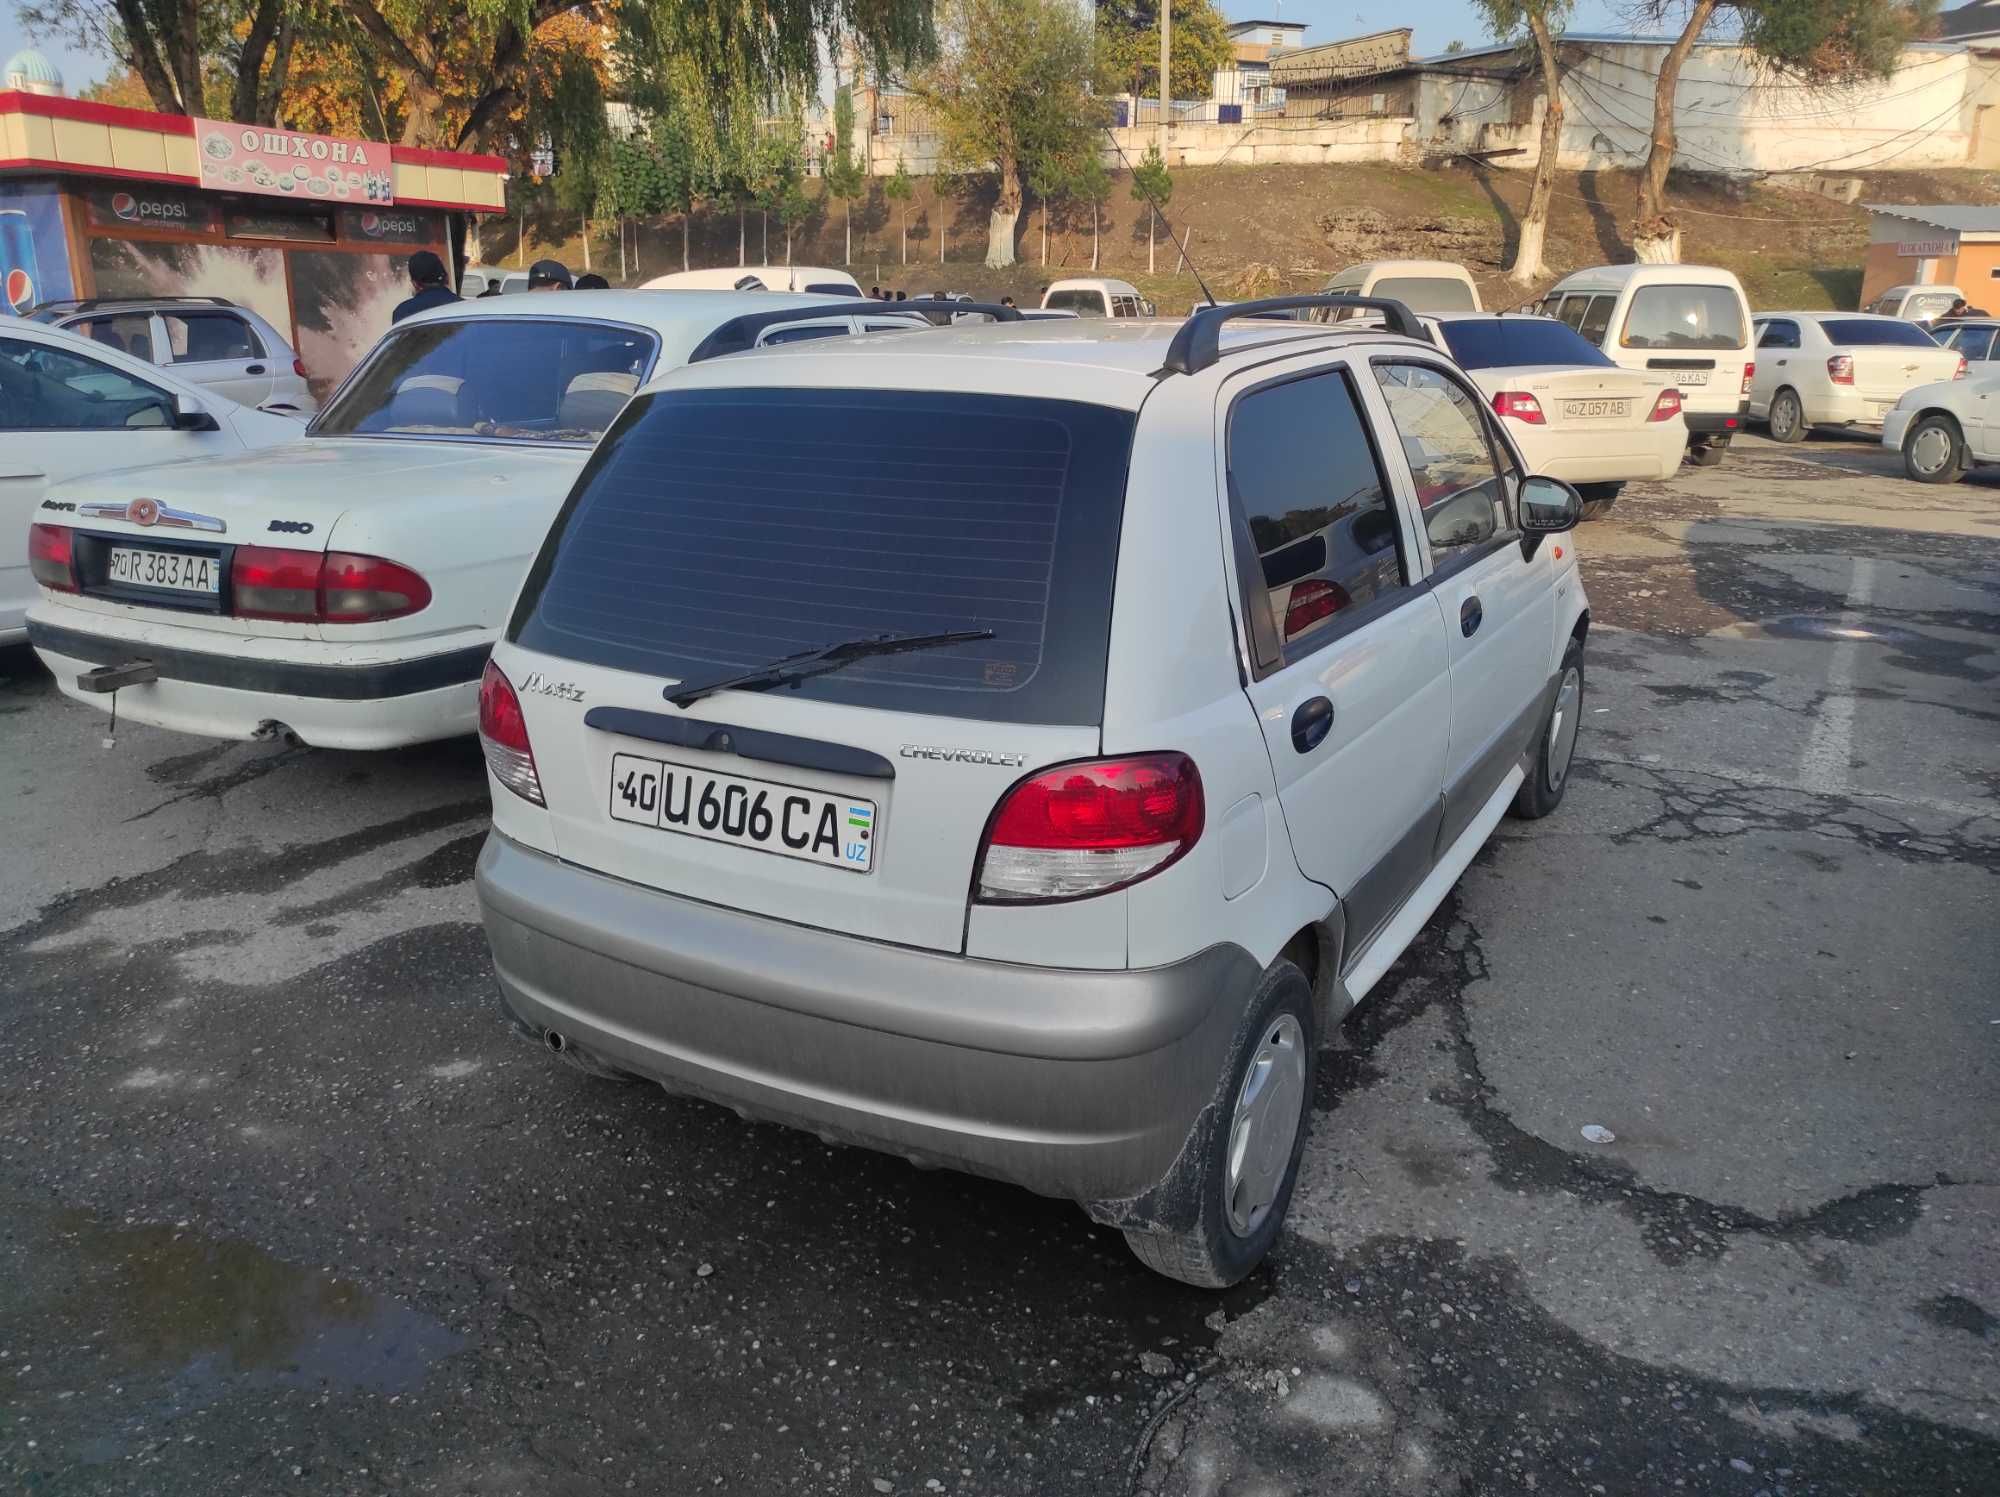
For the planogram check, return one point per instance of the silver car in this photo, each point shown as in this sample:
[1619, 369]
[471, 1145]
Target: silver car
[206, 340]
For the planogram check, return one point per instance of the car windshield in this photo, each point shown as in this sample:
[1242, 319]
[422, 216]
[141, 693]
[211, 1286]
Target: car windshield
[1859, 332]
[1083, 303]
[1426, 293]
[1498, 343]
[1685, 317]
[530, 379]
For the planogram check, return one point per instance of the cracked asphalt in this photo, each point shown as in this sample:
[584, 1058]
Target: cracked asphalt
[1667, 1160]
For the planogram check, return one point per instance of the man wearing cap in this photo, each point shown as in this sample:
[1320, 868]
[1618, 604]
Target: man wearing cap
[549, 275]
[427, 280]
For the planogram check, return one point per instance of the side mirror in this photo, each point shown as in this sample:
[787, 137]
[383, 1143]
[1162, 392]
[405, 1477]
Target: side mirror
[191, 415]
[1549, 506]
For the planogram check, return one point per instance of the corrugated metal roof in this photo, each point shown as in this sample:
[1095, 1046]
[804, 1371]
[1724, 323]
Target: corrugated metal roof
[1964, 218]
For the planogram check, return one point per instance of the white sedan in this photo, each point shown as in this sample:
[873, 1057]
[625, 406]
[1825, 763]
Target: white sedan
[1839, 368]
[1942, 429]
[70, 406]
[344, 589]
[1574, 414]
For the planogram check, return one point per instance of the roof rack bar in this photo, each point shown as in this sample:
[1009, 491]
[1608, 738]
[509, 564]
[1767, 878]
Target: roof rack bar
[1198, 344]
[740, 333]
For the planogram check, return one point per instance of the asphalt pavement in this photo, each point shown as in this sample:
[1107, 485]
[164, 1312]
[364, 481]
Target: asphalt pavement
[1667, 1160]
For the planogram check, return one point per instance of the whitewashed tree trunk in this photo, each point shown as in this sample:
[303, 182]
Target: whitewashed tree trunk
[742, 240]
[586, 242]
[622, 276]
[847, 228]
[1000, 238]
[1528, 257]
[764, 215]
[685, 217]
[1152, 218]
[1657, 249]
[1045, 233]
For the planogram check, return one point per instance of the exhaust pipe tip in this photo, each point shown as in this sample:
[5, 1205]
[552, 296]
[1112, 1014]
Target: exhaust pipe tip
[557, 1042]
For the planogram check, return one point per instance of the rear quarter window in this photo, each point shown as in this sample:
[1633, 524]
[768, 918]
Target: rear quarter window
[1863, 332]
[719, 530]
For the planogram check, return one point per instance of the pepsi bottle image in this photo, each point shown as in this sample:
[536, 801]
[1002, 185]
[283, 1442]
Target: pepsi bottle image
[20, 271]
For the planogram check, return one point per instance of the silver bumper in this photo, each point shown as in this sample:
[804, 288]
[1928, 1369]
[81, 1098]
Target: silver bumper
[1080, 1084]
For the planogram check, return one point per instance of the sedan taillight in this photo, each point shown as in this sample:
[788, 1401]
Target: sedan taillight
[313, 587]
[1667, 406]
[1088, 828]
[1840, 369]
[1520, 406]
[52, 557]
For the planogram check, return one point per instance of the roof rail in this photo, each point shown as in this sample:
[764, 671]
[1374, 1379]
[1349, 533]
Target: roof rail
[739, 334]
[1198, 344]
[92, 303]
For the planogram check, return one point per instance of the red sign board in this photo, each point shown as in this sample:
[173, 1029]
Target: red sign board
[144, 206]
[291, 163]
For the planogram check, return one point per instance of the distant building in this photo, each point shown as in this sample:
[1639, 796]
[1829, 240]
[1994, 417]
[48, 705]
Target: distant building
[1976, 22]
[29, 72]
[1247, 84]
[1942, 244]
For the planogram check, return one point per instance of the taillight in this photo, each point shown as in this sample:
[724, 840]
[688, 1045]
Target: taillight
[1310, 602]
[1959, 372]
[1666, 406]
[1520, 405]
[1748, 371]
[1089, 828]
[503, 734]
[1840, 369]
[312, 587]
[299, 368]
[51, 559]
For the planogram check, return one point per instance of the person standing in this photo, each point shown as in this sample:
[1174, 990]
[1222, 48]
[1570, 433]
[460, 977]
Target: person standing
[428, 283]
[549, 275]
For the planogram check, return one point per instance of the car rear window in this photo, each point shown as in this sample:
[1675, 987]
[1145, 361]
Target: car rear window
[1685, 317]
[718, 530]
[1425, 293]
[1861, 332]
[1083, 303]
[1497, 343]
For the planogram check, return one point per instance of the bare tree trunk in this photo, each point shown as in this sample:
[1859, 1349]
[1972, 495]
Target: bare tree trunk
[903, 232]
[1045, 233]
[1006, 215]
[1093, 236]
[622, 276]
[685, 219]
[636, 270]
[586, 241]
[1535, 222]
[742, 242]
[1655, 237]
[521, 240]
[847, 226]
[764, 215]
[788, 244]
[1152, 217]
[243, 107]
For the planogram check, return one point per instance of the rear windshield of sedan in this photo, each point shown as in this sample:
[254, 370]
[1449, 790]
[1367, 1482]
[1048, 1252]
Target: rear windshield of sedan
[1861, 332]
[1426, 293]
[715, 531]
[529, 379]
[1497, 343]
[1685, 317]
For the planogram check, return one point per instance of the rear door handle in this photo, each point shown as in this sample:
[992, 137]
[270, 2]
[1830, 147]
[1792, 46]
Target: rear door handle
[1311, 723]
[254, 369]
[1469, 614]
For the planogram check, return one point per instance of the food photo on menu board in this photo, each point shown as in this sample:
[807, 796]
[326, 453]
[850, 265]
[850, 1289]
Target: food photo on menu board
[291, 163]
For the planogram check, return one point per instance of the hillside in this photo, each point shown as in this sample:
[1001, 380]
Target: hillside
[1268, 228]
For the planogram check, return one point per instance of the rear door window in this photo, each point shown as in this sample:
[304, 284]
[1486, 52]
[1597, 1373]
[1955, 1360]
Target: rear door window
[720, 530]
[210, 337]
[1673, 317]
[1597, 318]
[1976, 343]
[128, 332]
[1779, 334]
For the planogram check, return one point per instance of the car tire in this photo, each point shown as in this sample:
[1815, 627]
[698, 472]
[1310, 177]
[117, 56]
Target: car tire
[1555, 746]
[1240, 1210]
[1597, 497]
[1706, 454]
[1788, 417]
[1934, 450]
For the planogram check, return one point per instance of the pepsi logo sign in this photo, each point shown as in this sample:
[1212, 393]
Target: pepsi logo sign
[378, 225]
[134, 209]
[20, 289]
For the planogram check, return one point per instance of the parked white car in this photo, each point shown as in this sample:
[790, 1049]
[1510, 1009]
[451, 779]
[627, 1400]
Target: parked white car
[1915, 303]
[345, 588]
[70, 406]
[1016, 749]
[1574, 414]
[1420, 285]
[1096, 296]
[1972, 336]
[206, 340]
[819, 280]
[1943, 429]
[1840, 369]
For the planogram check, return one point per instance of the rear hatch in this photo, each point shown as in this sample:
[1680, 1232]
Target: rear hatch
[1888, 357]
[718, 530]
[1695, 335]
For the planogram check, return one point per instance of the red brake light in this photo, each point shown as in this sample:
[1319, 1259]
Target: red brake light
[1520, 405]
[1840, 369]
[1749, 370]
[503, 735]
[1667, 406]
[1311, 601]
[1089, 828]
[1959, 372]
[51, 558]
[310, 587]
[299, 368]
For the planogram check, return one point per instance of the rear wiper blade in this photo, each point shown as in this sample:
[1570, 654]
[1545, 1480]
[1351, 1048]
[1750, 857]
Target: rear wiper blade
[793, 669]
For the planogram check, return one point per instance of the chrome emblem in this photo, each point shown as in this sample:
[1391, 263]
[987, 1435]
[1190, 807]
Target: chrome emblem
[150, 513]
[143, 511]
[962, 755]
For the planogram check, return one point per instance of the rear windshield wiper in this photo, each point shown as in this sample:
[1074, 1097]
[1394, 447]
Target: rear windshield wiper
[794, 669]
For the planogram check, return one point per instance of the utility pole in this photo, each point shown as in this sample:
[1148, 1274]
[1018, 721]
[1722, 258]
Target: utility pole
[1166, 70]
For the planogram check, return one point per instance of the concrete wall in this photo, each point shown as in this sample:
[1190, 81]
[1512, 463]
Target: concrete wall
[1249, 144]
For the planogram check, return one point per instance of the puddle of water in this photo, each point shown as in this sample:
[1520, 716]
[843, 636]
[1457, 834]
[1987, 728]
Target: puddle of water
[1834, 630]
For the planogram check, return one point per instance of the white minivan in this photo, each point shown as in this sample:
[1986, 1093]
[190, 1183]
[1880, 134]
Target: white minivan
[1915, 303]
[818, 280]
[1096, 296]
[1691, 322]
[1420, 285]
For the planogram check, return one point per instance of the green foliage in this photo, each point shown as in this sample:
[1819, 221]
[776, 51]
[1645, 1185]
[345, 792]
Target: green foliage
[1834, 41]
[1128, 47]
[900, 188]
[1152, 183]
[1509, 19]
[843, 175]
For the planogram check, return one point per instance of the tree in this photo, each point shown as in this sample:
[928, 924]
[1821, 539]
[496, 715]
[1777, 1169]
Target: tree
[1152, 185]
[899, 189]
[1010, 87]
[1128, 47]
[222, 58]
[1089, 183]
[1824, 43]
[843, 177]
[1537, 23]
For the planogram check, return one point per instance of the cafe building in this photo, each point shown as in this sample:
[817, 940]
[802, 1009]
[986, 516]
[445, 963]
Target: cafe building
[311, 232]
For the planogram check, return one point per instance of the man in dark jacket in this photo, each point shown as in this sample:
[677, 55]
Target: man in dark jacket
[427, 279]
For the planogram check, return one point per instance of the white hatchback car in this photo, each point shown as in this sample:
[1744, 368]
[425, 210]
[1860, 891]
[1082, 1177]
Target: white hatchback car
[70, 406]
[1840, 369]
[206, 340]
[1015, 749]
[345, 588]
[1944, 429]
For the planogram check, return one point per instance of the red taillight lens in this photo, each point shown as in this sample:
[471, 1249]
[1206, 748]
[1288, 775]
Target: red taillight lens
[1840, 369]
[1310, 602]
[503, 735]
[1959, 372]
[1749, 371]
[1519, 405]
[1089, 828]
[51, 559]
[334, 587]
[299, 368]
[1667, 406]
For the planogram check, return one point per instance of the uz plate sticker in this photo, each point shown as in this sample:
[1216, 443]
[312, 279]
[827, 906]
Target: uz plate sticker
[788, 820]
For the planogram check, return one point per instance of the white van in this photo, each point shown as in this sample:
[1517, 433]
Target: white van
[1420, 285]
[479, 279]
[1915, 303]
[1096, 296]
[817, 279]
[1691, 322]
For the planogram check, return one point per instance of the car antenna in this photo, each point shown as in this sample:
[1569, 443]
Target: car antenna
[1160, 209]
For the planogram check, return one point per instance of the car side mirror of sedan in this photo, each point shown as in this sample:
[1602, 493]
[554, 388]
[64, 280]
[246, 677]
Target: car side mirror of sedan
[1548, 507]
[191, 415]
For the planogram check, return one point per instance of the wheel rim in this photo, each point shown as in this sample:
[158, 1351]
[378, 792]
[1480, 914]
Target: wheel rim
[1265, 1125]
[1930, 450]
[1784, 416]
[1562, 727]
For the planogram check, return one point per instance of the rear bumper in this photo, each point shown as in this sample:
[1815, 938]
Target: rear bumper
[1651, 452]
[1072, 1083]
[1709, 423]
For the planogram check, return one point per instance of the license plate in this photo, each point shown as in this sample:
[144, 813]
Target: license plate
[171, 570]
[1584, 410]
[1690, 376]
[793, 822]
